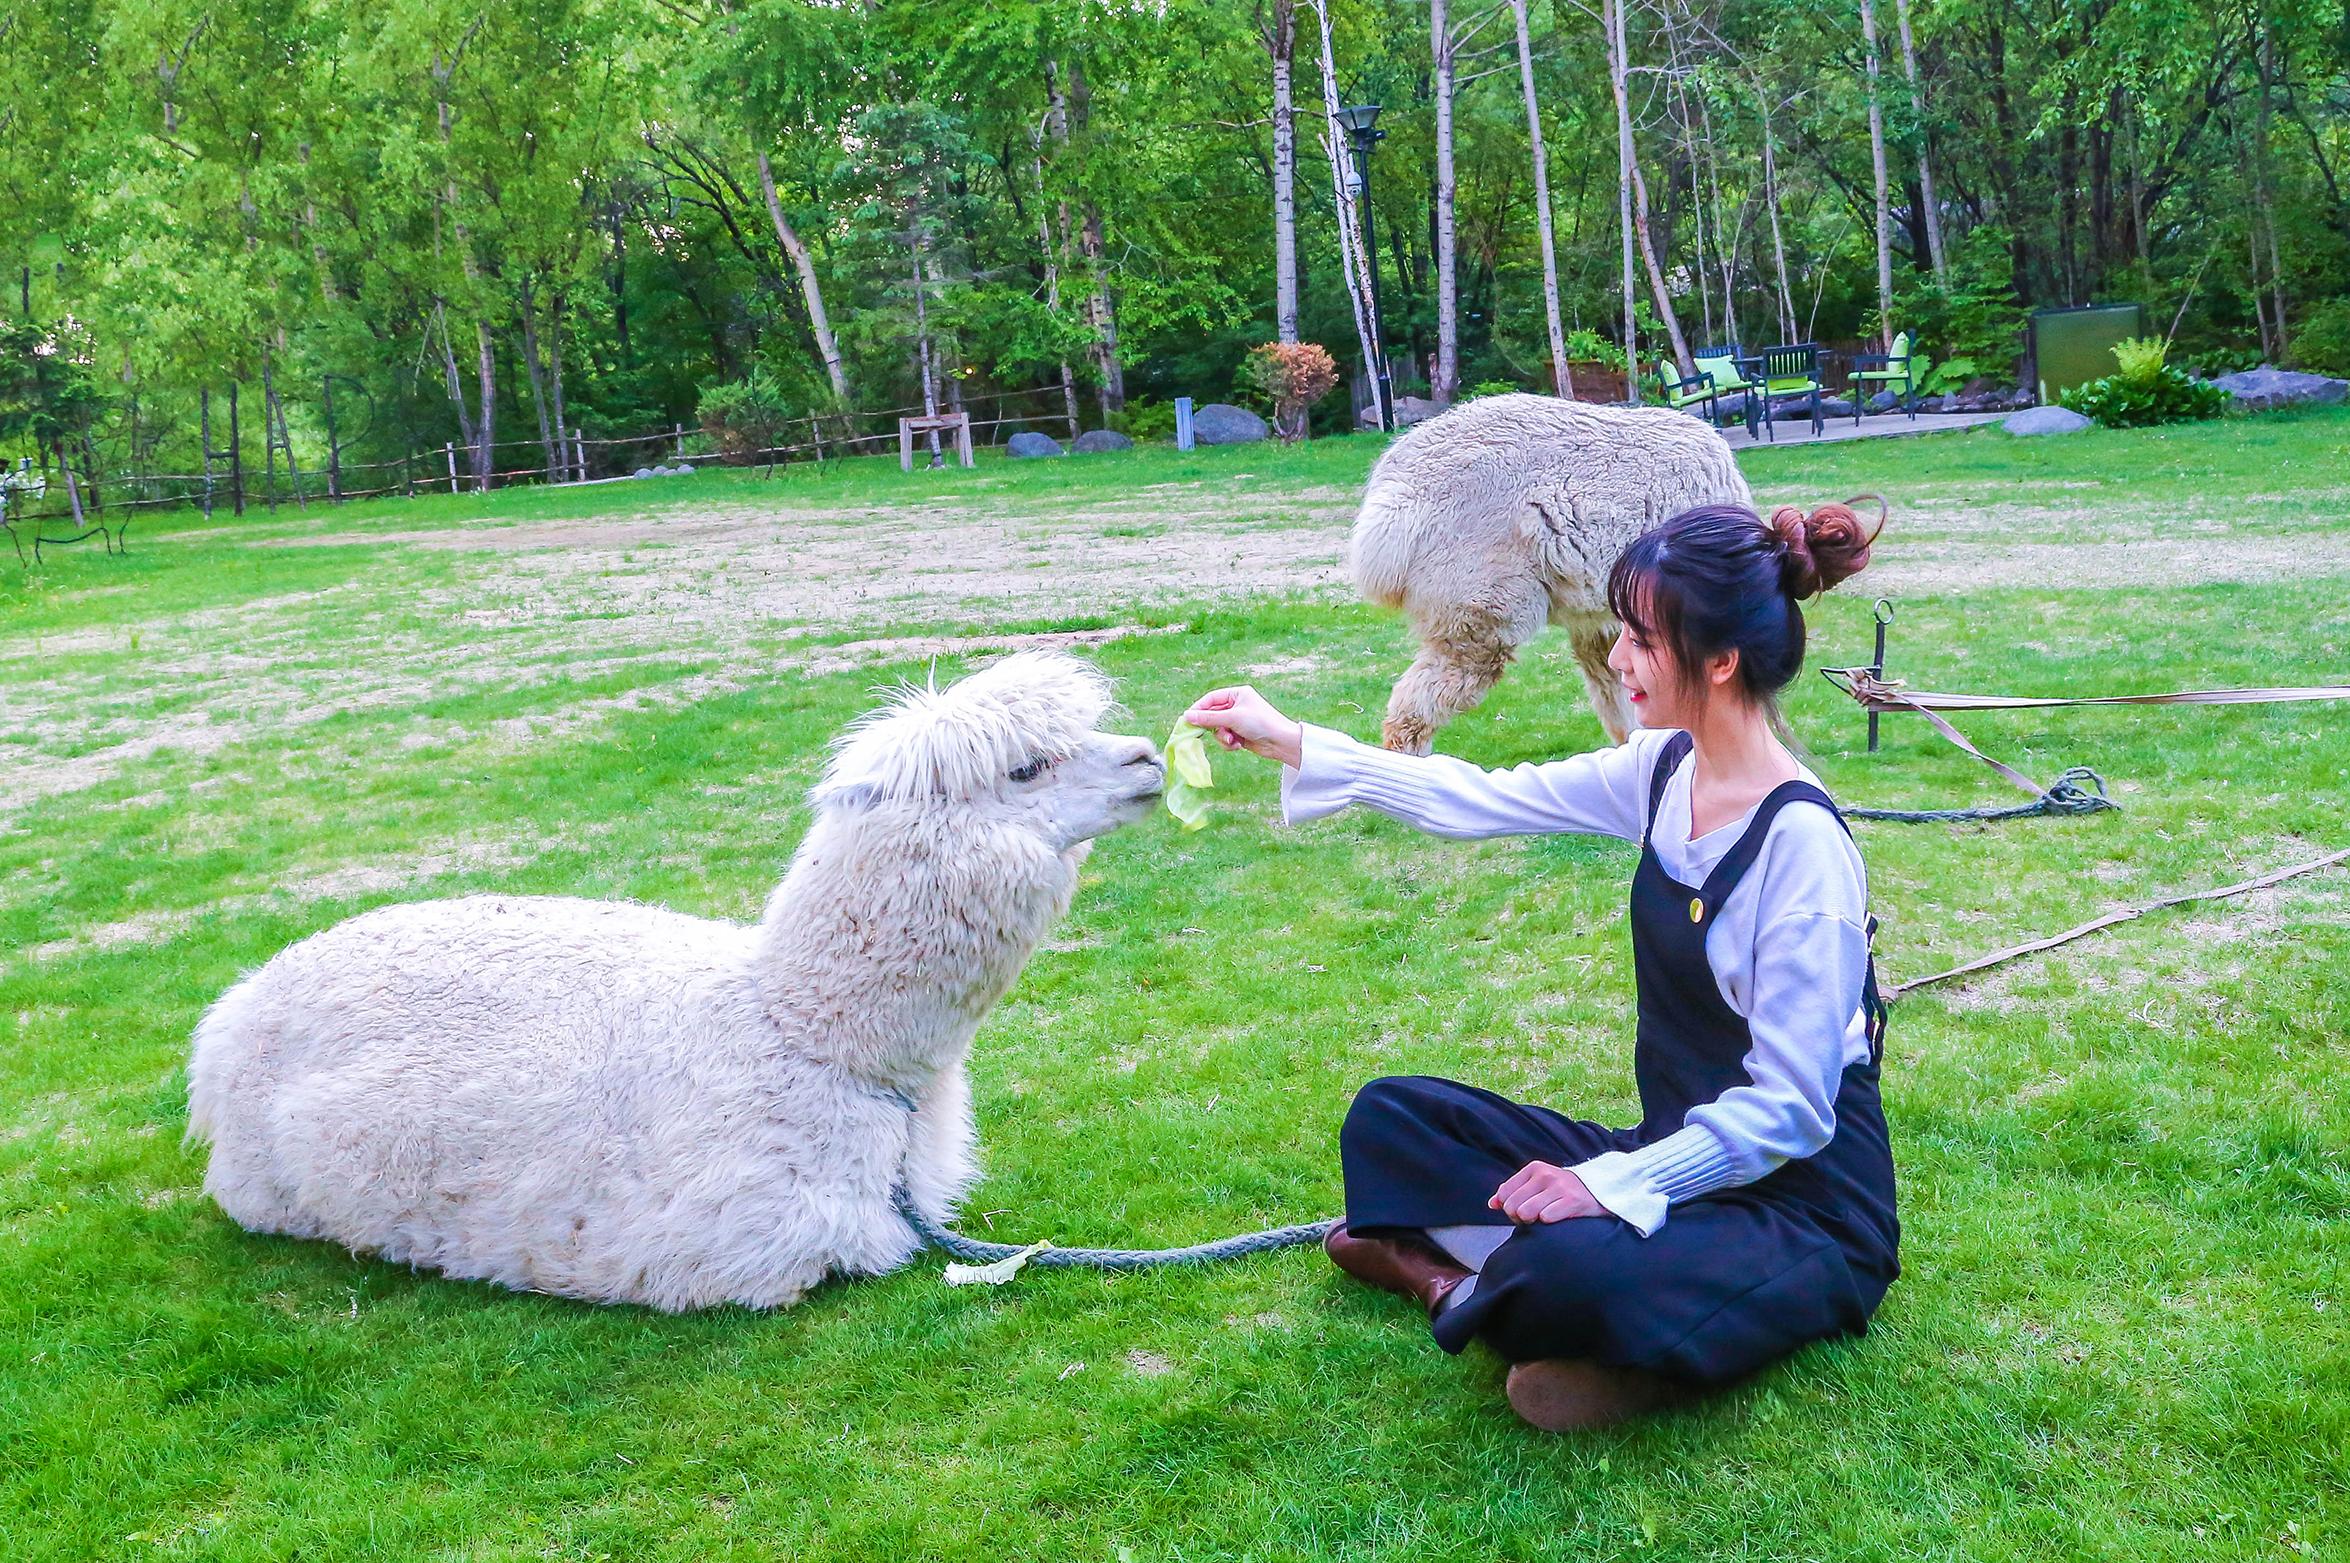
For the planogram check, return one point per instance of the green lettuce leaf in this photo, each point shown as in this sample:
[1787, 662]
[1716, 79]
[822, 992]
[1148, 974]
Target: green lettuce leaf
[1189, 776]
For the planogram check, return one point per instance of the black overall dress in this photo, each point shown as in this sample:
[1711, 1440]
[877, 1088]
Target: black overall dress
[1733, 1279]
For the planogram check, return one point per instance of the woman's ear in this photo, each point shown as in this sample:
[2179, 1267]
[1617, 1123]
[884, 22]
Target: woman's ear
[1721, 667]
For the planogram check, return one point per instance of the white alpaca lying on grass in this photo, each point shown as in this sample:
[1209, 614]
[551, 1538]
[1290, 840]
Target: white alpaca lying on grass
[615, 1102]
[1506, 514]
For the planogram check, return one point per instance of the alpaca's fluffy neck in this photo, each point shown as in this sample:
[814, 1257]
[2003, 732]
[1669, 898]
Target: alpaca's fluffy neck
[893, 934]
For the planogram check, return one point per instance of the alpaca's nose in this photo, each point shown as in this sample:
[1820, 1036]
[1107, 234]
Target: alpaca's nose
[1144, 752]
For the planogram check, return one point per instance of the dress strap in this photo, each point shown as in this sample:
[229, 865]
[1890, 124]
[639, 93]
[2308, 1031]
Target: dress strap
[1748, 847]
[1676, 750]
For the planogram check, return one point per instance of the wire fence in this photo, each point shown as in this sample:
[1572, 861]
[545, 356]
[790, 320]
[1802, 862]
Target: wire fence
[561, 457]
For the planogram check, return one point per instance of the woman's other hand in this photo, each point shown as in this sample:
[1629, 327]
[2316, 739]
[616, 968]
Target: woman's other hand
[1539, 1191]
[1243, 719]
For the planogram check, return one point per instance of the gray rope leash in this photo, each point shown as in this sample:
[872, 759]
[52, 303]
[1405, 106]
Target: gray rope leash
[2079, 790]
[972, 1251]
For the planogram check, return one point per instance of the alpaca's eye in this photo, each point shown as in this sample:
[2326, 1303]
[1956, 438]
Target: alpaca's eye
[1031, 771]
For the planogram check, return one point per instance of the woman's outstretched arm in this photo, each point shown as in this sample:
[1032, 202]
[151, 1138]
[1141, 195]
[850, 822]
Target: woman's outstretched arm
[1601, 793]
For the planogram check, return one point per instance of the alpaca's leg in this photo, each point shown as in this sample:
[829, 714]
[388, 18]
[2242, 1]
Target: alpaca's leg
[941, 1145]
[1592, 639]
[1464, 651]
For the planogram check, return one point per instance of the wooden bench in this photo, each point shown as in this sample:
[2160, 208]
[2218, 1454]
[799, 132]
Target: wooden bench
[959, 423]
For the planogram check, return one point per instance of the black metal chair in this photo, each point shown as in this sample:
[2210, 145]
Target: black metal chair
[1787, 373]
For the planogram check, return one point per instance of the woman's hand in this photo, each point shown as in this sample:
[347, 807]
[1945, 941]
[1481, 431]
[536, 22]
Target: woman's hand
[1243, 719]
[1539, 1191]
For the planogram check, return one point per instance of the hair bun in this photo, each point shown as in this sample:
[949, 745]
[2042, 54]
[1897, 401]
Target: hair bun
[1825, 547]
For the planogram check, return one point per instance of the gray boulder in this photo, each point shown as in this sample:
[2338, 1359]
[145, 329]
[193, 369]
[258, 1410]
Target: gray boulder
[2260, 389]
[1094, 441]
[1221, 423]
[1030, 443]
[1883, 401]
[1414, 409]
[2045, 420]
[642, 472]
[683, 469]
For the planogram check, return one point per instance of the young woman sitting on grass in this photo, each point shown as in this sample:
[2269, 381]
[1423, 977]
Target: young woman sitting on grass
[1752, 1210]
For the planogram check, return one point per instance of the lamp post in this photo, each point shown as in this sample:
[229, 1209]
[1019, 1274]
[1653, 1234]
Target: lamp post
[1360, 120]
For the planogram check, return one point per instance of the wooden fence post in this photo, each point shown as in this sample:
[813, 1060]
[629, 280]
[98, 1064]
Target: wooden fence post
[449, 450]
[1183, 423]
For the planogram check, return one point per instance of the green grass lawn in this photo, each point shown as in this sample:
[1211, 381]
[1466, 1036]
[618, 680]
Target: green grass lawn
[2121, 1334]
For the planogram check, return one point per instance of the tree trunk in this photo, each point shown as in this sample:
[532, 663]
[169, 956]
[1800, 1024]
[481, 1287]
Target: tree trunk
[1101, 311]
[1611, 22]
[555, 372]
[449, 374]
[929, 362]
[2262, 183]
[1052, 280]
[1786, 299]
[73, 492]
[1561, 381]
[627, 353]
[1444, 377]
[485, 454]
[1726, 238]
[1917, 109]
[1868, 33]
[1281, 43]
[819, 324]
[538, 382]
[1354, 258]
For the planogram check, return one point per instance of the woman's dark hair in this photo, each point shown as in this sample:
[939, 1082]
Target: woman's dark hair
[1720, 578]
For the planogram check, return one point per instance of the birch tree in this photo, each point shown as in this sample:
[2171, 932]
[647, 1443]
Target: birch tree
[1277, 26]
[1561, 381]
[1354, 258]
[1868, 32]
[1917, 111]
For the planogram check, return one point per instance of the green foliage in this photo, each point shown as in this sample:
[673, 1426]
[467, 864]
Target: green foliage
[2166, 396]
[1487, 388]
[2141, 358]
[1585, 345]
[1975, 315]
[1145, 418]
[1947, 376]
[49, 390]
[2321, 342]
[745, 417]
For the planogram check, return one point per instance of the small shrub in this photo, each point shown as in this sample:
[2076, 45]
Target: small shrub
[743, 418]
[2145, 391]
[1488, 388]
[1292, 376]
[1586, 346]
[1143, 419]
[2321, 341]
[1951, 375]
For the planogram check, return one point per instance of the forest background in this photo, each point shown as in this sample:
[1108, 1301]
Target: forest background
[467, 224]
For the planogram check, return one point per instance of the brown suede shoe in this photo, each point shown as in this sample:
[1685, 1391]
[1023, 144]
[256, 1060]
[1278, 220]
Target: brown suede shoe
[1399, 1265]
[1567, 1394]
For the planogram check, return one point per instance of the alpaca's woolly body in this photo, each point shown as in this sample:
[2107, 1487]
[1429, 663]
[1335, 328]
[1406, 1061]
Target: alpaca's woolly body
[1505, 514]
[616, 1102]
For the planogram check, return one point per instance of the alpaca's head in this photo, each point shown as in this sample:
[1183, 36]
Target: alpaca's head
[1015, 744]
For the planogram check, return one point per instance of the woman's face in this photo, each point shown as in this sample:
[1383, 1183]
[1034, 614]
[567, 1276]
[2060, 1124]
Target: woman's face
[1651, 678]
[1662, 694]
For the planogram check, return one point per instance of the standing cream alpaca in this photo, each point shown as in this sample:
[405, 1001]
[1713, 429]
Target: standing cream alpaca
[1505, 514]
[620, 1103]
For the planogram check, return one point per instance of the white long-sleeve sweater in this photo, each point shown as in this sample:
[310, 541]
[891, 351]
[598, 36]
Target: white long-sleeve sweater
[1788, 946]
